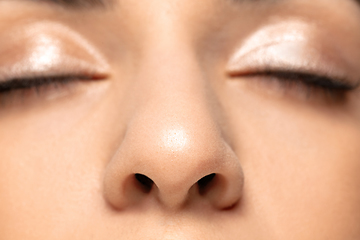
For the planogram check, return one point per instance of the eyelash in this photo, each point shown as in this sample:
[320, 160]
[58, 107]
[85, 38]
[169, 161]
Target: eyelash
[312, 84]
[35, 82]
[22, 88]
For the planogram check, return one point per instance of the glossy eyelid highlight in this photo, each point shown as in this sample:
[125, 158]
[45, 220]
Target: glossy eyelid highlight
[269, 35]
[285, 45]
[53, 49]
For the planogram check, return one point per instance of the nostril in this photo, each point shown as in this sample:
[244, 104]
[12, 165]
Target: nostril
[204, 183]
[145, 182]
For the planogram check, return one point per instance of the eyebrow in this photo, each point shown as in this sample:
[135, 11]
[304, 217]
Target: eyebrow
[357, 2]
[78, 4]
[104, 3]
[240, 1]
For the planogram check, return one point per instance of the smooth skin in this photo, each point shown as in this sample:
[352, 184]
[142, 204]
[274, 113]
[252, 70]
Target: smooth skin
[171, 129]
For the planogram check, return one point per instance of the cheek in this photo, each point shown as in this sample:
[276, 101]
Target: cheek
[46, 187]
[306, 190]
[43, 195]
[301, 168]
[51, 171]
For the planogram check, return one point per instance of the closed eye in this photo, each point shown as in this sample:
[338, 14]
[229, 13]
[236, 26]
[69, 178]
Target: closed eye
[310, 79]
[310, 84]
[36, 82]
[24, 90]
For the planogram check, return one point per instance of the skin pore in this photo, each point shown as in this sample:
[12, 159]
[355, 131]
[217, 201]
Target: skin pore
[182, 119]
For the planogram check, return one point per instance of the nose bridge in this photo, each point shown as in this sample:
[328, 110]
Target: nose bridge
[175, 115]
[168, 67]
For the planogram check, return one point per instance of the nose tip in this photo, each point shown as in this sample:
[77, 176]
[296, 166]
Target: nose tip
[174, 167]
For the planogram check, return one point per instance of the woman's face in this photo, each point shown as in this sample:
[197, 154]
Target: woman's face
[182, 119]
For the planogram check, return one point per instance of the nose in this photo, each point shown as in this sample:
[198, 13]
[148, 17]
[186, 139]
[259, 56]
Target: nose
[174, 152]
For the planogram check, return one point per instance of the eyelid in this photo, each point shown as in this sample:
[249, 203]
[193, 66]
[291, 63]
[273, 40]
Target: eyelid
[287, 46]
[49, 48]
[288, 56]
[290, 31]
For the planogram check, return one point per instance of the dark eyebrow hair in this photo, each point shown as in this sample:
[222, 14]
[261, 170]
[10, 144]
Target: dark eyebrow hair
[105, 3]
[240, 1]
[78, 4]
[357, 2]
